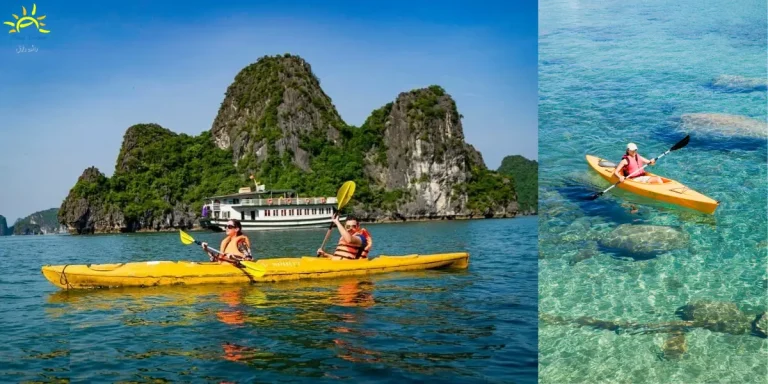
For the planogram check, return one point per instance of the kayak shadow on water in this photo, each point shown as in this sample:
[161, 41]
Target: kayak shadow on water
[622, 207]
[605, 208]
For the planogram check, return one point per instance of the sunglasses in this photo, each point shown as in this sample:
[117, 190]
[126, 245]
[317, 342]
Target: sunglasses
[349, 226]
[230, 226]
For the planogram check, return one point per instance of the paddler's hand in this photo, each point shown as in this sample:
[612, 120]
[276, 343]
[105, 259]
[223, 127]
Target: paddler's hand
[621, 178]
[205, 246]
[319, 252]
[335, 219]
[653, 162]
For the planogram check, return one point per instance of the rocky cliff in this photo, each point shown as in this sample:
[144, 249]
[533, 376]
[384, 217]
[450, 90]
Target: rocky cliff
[4, 227]
[409, 159]
[423, 155]
[86, 208]
[269, 107]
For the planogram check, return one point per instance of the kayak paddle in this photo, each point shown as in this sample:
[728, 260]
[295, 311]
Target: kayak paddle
[342, 198]
[257, 270]
[680, 144]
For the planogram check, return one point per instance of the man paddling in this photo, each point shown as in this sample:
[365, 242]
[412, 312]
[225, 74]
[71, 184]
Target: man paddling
[631, 166]
[234, 247]
[355, 243]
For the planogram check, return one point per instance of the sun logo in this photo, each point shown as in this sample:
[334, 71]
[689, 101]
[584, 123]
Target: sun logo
[26, 21]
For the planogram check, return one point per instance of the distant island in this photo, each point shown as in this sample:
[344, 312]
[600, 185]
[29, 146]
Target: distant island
[39, 223]
[409, 159]
[525, 177]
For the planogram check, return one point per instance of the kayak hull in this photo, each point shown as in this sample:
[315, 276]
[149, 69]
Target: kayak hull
[670, 191]
[155, 273]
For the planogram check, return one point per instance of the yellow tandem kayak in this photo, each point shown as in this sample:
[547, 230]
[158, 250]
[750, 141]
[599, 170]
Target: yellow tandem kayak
[670, 191]
[153, 273]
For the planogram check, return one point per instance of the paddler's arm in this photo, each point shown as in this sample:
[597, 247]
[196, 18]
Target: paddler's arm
[619, 167]
[646, 161]
[345, 235]
[210, 253]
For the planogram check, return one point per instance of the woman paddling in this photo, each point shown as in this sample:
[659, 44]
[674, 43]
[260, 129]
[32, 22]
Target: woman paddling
[234, 247]
[631, 166]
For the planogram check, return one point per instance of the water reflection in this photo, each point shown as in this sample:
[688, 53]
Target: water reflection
[312, 325]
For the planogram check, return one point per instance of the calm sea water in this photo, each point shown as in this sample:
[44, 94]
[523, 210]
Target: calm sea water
[477, 325]
[611, 72]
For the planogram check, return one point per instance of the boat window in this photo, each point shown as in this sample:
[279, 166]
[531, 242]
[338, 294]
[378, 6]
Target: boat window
[253, 215]
[236, 201]
[242, 216]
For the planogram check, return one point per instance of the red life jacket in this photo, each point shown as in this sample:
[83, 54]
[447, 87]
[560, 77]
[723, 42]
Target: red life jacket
[633, 164]
[350, 251]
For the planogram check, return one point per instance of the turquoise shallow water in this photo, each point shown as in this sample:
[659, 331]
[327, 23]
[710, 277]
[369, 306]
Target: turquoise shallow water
[612, 72]
[477, 325]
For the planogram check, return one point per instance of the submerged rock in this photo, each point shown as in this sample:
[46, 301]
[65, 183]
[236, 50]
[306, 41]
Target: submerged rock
[734, 83]
[723, 124]
[760, 325]
[586, 253]
[717, 316]
[640, 239]
[675, 346]
[714, 316]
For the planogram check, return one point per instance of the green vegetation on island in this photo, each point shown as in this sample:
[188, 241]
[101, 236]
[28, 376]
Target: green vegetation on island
[525, 175]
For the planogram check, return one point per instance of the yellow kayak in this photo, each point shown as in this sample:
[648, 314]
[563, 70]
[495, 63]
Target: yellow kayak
[670, 191]
[153, 273]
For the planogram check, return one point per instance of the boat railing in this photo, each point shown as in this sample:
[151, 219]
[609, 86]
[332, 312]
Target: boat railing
[286, 201]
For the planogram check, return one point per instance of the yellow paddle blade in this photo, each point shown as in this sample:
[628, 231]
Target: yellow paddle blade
[345, 193]
[254, 268]
[185, 237]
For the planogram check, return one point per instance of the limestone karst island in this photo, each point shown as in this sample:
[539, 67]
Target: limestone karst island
[277, 128]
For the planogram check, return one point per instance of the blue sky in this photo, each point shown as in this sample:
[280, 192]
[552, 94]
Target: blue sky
[66, 105]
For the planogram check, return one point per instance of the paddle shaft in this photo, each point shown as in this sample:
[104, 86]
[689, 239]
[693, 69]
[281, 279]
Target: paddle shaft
[328, 234]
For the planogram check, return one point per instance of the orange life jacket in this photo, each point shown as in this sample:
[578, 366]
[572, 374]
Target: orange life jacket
[229, 246]
[350, 251]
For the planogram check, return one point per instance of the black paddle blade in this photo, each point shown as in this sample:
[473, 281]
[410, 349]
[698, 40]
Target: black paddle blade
[681, 143]
[594, 197]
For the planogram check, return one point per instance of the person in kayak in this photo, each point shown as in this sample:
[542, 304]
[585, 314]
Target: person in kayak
[355, 243]
[631, 164]
[234, 247]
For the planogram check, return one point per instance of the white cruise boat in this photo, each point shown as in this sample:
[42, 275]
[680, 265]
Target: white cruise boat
[262, 209]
